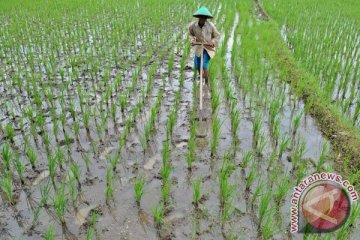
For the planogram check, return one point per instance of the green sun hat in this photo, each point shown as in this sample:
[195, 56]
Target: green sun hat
[203, 12]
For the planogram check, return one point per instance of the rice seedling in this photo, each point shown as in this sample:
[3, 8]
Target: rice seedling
[90, 233]
[111, 65]
[190, 153]
[283, 145]
[257, 127]
[296, 122]
[166, 152]
[274, 110]
[343, 233]
[10, 133]
[7, 186]
[165, 192]
[283, 187]
[45, 192]
[7, 155]
[109, 185]
[235, 121]
[76, 173]
[192, 146]
[215, 101]
[50, 233]
[251, 177]
[158, 215]
[77, 131]
[261, 144]
[31, 154]
[298, 153]
[86, 159]
[276, 130]
[165, 172]
[72, 189]
[86, 119]
[227, 210]
[20, 167]
[59, 157]
[139, 189]
[59, 202]
[215, 134]
[324, 152]
[264, 203]
[196, 190]
[35, 219]
[52, 168]
[268, 230]
[301, 171]
[226, 188]
[46, 141]
[171, 63]
[248, 156]
[171, 123]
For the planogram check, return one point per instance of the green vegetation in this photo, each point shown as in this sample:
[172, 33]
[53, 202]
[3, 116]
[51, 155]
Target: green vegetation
[139, 189]
[98, 96]
[196, 190]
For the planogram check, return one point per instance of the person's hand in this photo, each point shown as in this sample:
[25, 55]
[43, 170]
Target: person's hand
[192, 42]
[212, 44]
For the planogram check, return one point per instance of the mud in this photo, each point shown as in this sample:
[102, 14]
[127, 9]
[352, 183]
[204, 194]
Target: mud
[123, 218]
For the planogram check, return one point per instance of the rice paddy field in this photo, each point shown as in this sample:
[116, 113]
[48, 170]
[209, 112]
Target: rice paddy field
[99, 117]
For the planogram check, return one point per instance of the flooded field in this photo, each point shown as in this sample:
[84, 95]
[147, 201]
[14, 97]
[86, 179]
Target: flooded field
[102, 136]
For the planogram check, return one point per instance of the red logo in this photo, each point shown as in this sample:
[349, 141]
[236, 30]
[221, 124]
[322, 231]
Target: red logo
[326, 206]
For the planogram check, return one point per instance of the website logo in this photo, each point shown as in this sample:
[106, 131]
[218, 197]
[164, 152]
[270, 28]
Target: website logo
[321, 203]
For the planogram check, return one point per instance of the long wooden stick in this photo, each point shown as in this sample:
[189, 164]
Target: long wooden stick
[201, 76]
[203, 44]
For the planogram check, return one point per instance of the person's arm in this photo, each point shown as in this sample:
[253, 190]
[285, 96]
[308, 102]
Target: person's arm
[214, 35]
[192, 34]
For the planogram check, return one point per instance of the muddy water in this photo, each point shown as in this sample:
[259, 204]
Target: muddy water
[122, 218]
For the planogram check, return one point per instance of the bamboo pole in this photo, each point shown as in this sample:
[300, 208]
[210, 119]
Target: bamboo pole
[201, 77]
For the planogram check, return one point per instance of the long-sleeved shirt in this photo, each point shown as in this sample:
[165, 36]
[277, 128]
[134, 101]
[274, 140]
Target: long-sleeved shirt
[206, 34]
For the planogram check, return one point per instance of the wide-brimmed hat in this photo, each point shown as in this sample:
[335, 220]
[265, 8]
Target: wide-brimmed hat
[203, 12]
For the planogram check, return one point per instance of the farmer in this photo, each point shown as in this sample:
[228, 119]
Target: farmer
[203, 31]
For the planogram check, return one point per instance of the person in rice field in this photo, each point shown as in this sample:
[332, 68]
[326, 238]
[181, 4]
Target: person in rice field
[203, 31]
